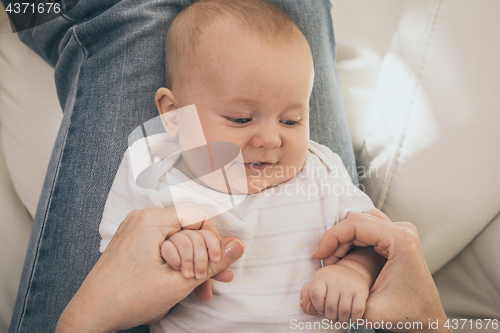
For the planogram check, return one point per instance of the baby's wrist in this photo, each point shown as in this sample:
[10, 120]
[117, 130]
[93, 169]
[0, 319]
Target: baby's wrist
[359, 268]
[366, 262]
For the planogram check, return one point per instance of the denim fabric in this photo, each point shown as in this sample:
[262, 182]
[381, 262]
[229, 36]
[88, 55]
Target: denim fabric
[109, 61]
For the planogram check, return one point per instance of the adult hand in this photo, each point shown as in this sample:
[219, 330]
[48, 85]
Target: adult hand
[404, 291]
[131, 284]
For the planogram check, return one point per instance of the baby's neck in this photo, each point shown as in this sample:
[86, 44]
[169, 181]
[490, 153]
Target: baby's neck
[182, 166]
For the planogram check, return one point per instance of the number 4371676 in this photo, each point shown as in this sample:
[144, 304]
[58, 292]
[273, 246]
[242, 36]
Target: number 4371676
[465, 324]
[31, 8]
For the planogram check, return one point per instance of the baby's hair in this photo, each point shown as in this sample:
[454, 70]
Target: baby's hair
[252, 16]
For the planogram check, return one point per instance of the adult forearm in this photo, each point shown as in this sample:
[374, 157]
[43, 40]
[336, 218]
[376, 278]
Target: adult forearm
[88, 310]
[77, 318]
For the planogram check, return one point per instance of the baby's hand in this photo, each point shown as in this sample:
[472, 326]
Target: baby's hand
[189, 251]
[336, 292]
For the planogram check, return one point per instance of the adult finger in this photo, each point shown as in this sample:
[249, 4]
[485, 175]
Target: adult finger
[233, 250]
[204, 291]
[339, 253]
[224, 276]
[371, 228]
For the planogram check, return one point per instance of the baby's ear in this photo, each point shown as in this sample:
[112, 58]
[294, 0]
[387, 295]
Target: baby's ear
[167, 108]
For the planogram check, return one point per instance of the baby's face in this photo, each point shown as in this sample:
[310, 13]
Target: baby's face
[256, 95]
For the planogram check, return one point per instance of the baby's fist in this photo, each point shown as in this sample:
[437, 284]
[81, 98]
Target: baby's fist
[190, 251]
[335, 292]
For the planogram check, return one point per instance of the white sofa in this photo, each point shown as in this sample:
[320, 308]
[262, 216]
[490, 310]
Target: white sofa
[424, 123]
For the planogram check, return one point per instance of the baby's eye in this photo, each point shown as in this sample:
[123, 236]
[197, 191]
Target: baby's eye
[290, 122]
[241, 120]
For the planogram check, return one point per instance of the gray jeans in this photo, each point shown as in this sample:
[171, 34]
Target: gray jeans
[109, 61]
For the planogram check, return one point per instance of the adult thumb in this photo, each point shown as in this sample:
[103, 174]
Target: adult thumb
[232, 249]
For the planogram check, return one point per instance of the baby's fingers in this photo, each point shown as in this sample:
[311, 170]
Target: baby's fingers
[344, 307]
[358, 307]
[185, 249]
[318, 294]
[212, 244]
[304, 296]
[200, 259]
[332, 305]
[170, 254]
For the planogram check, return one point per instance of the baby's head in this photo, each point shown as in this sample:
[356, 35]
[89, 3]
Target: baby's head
[249, 71]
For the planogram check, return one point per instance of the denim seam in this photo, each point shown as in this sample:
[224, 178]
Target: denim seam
[65, 15]
[397, 155]
[44, 220]
[79, 43]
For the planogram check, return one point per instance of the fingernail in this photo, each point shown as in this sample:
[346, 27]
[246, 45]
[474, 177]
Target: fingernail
[310, 310]
[190, 273]
[200, 275]
[234, 249]
[316, 250]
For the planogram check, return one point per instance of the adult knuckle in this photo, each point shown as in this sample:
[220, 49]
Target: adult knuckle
[144, 215]
[410, 226]
[408, 232]
[132, 214]
[356, 215]
[129, 221]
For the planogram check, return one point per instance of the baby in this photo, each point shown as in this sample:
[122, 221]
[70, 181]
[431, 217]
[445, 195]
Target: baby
[240, 72]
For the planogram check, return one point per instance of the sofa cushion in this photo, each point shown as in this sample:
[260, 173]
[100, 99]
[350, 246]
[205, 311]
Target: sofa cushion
[15, 227]
[363, 31]
[29, 112]
[433, 137]
[431, 148]
[469, 285]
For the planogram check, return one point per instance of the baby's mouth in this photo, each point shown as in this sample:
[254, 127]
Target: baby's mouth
[258, 165]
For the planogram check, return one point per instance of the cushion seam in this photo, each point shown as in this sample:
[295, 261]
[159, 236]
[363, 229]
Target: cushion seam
[397, 154]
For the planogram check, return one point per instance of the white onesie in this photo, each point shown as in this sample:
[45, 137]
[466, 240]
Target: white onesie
[280, 227]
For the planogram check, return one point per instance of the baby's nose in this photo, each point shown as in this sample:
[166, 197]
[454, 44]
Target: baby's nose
[267, 136]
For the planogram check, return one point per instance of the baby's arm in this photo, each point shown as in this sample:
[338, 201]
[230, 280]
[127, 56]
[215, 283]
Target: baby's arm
[365, 261]
[190, 250]
[339, 291]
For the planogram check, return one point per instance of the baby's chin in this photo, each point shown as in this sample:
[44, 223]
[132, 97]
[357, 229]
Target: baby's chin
[257, 185]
